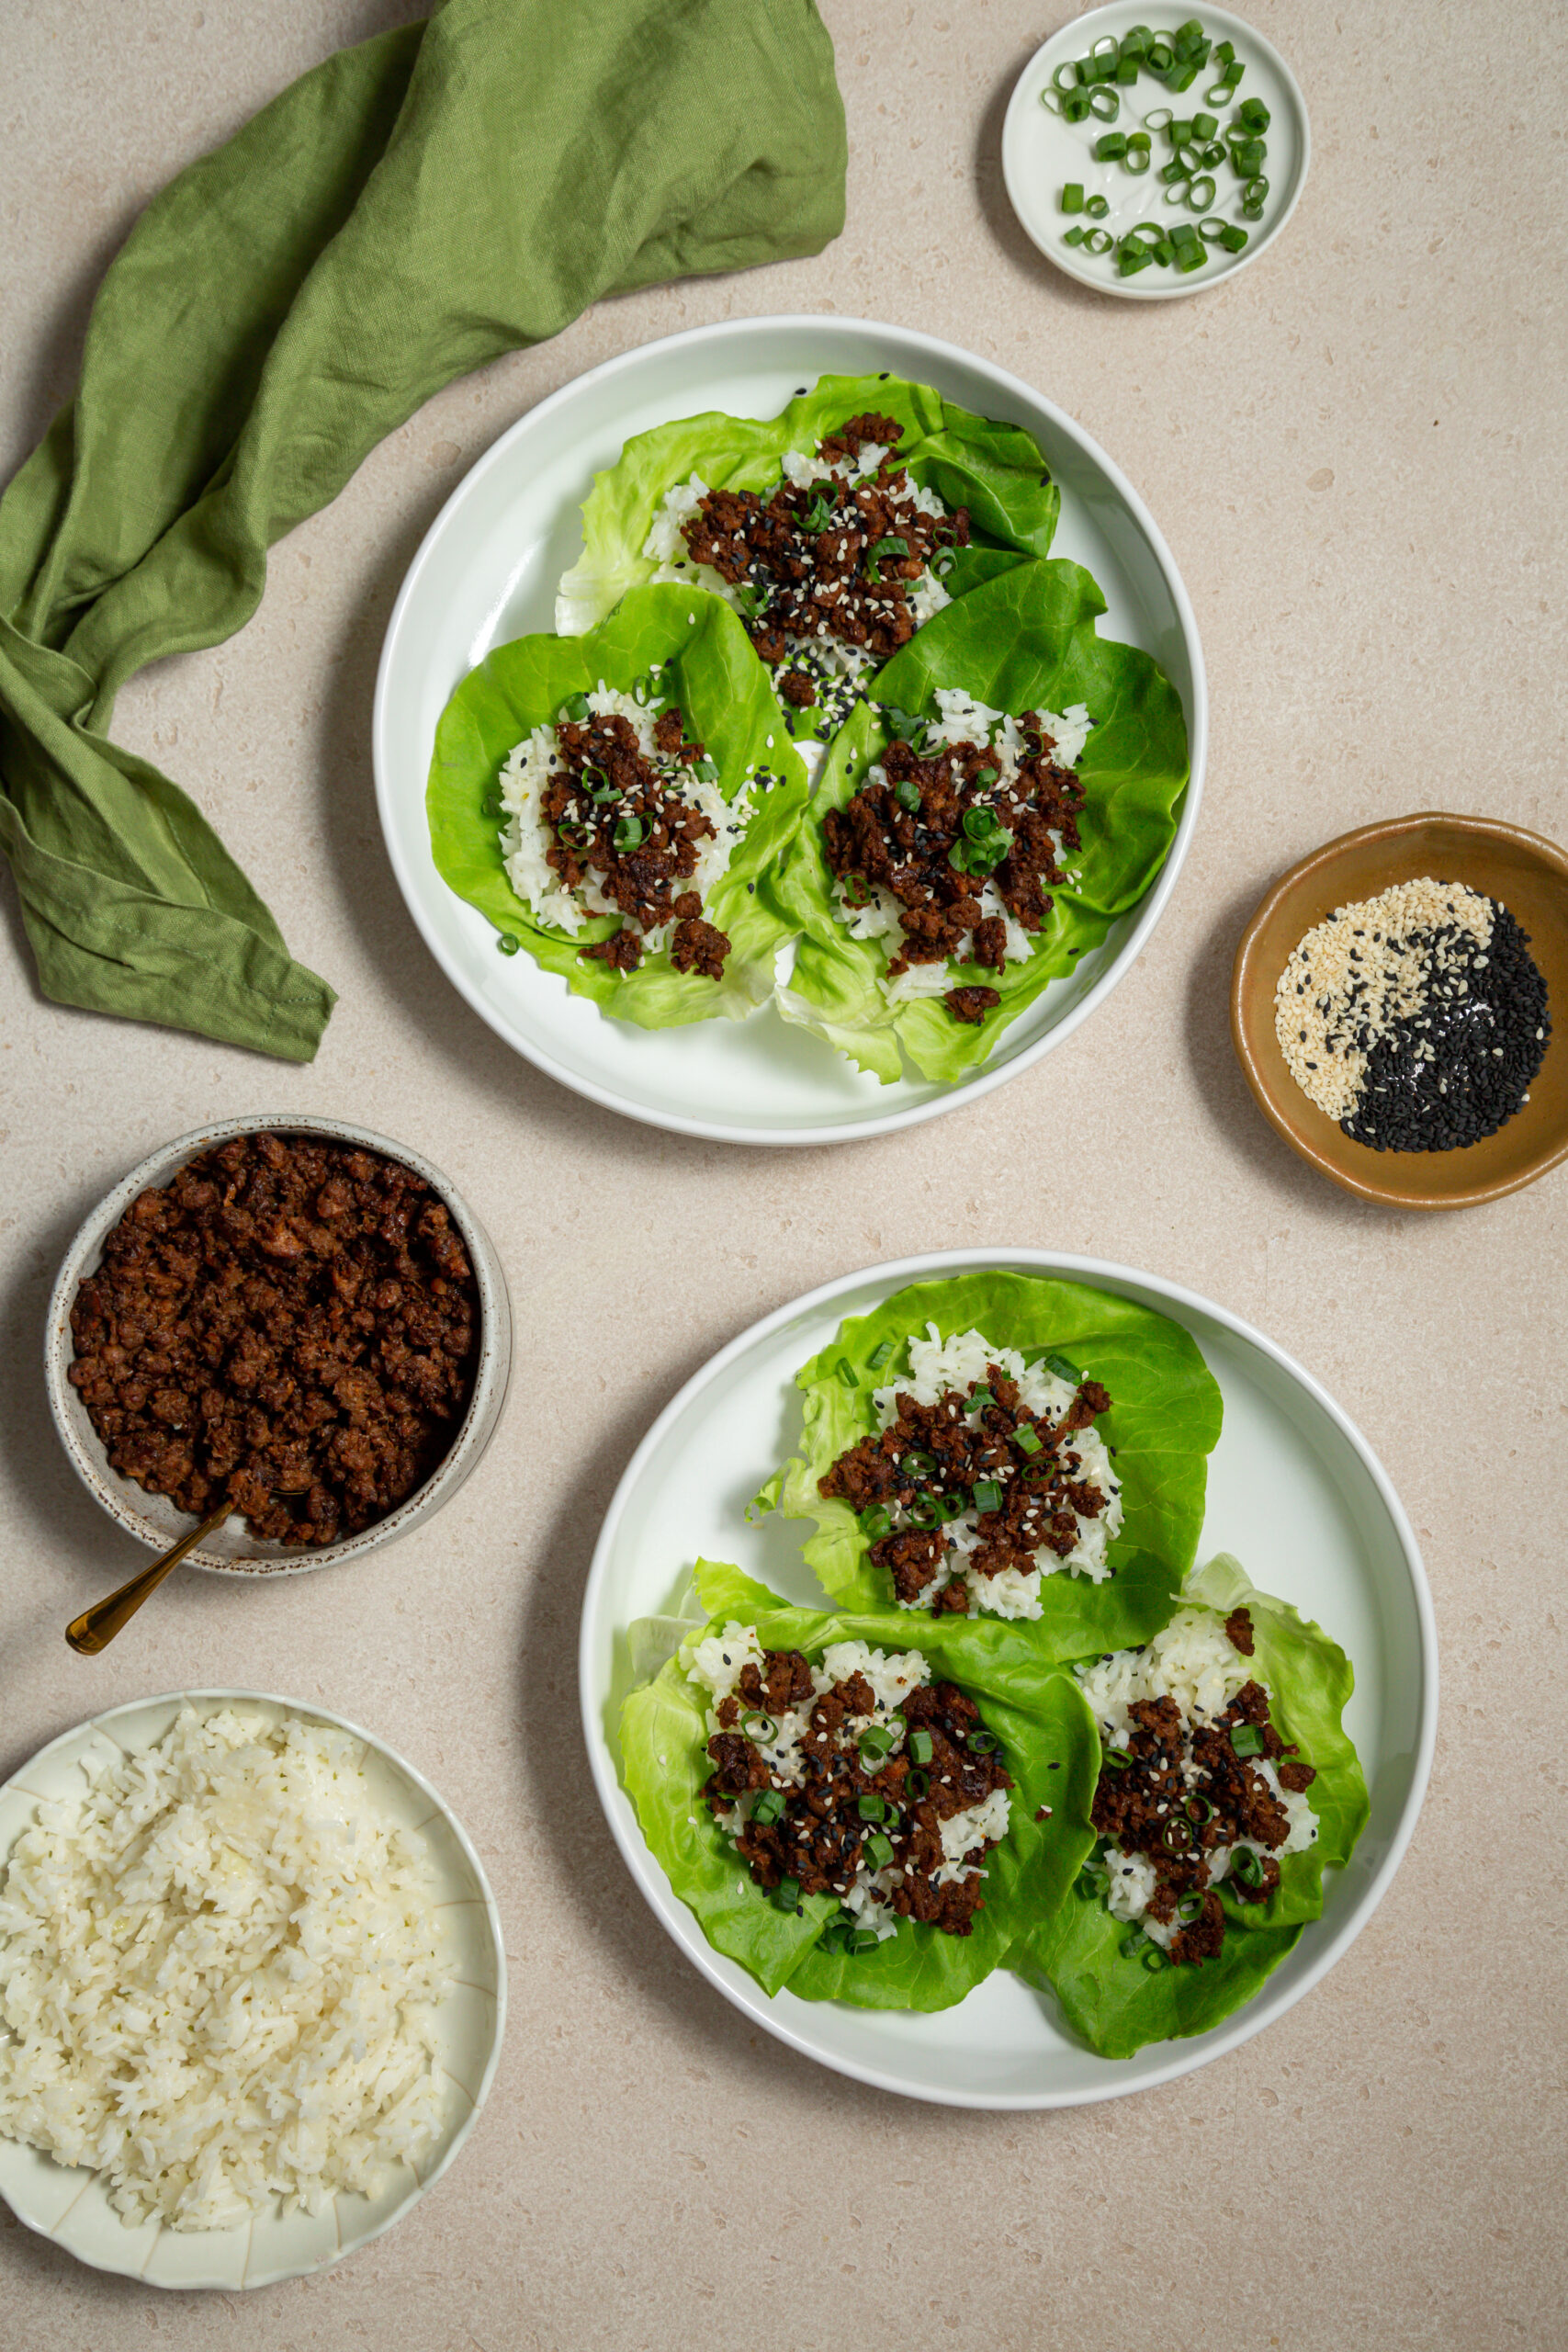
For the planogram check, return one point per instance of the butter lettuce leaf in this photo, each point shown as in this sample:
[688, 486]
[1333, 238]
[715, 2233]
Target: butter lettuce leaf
[1074, 1950]
[1163, 1424]
[993, 469]
[724, 692]
[1033, 1711]
[1025, 640]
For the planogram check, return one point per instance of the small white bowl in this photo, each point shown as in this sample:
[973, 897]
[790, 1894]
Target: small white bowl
[1041, 152]
[154, 1519]
[71, 2204]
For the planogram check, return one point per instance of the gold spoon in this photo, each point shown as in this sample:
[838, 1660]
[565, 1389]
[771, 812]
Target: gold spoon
[97, 1627]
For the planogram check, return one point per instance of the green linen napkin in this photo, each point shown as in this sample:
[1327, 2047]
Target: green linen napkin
[402, 214]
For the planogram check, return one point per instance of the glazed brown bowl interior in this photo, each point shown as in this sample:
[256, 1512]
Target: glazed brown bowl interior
[1529, 876]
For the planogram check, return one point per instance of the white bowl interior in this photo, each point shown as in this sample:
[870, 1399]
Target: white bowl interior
[1040, 154]
[1293, 1491]
[71, 2205]
[488, 572]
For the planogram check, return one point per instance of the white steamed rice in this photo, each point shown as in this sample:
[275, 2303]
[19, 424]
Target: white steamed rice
[218, 1974]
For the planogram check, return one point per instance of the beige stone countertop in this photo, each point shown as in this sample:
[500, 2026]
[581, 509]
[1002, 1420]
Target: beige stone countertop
[1357, 450]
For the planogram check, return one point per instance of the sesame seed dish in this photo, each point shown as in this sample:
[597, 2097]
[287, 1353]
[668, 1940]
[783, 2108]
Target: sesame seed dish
[1005, 1446]
[1415, 1019]
[611, 801]
[1223, 1785]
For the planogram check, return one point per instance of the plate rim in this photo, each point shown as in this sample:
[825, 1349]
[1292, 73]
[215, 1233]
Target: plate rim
[1146, 914]
[1128, 290]
[647, 1873]
[425, 2182]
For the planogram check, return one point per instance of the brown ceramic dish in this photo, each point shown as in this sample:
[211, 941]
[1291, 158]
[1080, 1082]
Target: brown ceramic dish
[1529, 876]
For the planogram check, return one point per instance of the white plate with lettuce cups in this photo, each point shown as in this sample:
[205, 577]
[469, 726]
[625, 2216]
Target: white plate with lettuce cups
[488, 577]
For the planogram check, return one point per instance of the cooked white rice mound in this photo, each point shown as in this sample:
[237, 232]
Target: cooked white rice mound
[1193, 1661]
[217, 1976]
[937, 1364]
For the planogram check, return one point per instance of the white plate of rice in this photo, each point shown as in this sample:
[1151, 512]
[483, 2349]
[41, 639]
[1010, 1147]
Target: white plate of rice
[489, 572]
[317, 2027]
[1294, 1491]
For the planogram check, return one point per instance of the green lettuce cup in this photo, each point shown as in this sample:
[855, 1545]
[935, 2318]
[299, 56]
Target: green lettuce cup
[1105, 1577]
[911, 461]
[735, 781]
[1025, 641]
[1285, 1801]
[1021, 1713]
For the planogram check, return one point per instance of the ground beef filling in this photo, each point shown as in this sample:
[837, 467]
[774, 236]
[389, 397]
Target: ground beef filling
[1149, 1805]
[812, 1838]
[930, 1465]
[939, 828]
[836, 559]
[621, 819]
[290, 1322]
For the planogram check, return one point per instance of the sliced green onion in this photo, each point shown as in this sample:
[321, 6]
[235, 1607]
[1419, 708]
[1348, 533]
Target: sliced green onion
[1190, 156]
[1127, 72]
[575, 707]
[1096, 207]
[1104, 103]
[871, 1808]
[1118, 1759]
[1252, 212]
[875, 1748]
[1247, 1739]
[883, 1353]
[863, 1940]
[980, 1398]
[921, 1746]
[1211, 154]
[1255, 191]
[1075, 236]
[1187, 1909]
[1133, 255]
[1091, 1884]
[983, 1742]
[628, 834]
[757, 1725]
[1158, 119]
[919, 1460]
[1247, 1866]
[768, 1808]
[880, 1851]
[1163, 253]
[1072, 197]
[1212, 231]
[987, 1495]
[926, 1511]
[1062, 1367]
[1198, 1809]
[1075, 106]
[1205, 126]
[1248, 157]
[1255, 113]
[1233, 239]
[1153, 1959]
[979, 824]
[1197, 200]
[950, 1504]
[817, 516]
[847, 1372]
[1106, 46]
[1224, 53]
[786, 1894]
[1026, 1438]
[888, 547]
[508, 944]
[1177, 1835]
[1137, 159]
[1160, 56]
[876, 1521]
[1177, 131]
[1135, 42]
[1182, 79]
[918, 1783]
[1187, 39]
[1176, 176]
[1052, 103]
[1066, 77]
[908, 795]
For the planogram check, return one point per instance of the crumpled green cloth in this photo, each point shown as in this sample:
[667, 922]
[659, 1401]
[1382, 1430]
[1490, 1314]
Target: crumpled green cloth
[400, 215]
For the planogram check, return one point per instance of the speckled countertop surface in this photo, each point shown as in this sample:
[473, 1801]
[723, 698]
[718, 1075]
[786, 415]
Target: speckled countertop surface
[1357, 453]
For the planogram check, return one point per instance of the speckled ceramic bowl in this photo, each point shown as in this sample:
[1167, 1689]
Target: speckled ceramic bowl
[70, 2205]
[154, 1519]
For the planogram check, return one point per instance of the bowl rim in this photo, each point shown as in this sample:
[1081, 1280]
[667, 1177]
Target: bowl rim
[1143, 917]
[316, 1712]
[1126, 290]
[647, 1873]
[89, 1461]
[1248, 947]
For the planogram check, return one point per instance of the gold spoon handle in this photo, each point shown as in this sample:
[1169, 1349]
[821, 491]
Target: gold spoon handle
[97, 1627]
